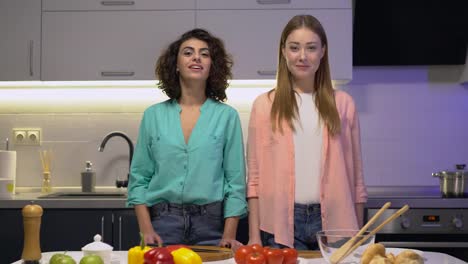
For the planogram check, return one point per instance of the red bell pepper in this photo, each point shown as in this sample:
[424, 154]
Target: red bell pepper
[158, 255]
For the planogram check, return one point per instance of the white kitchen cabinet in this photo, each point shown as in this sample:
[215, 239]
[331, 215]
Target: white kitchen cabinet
[20, 31]
[108, 45]
[272, 4]
[252, 37]
[100, 5]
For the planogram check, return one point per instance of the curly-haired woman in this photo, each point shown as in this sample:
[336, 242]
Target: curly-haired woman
[187, 181]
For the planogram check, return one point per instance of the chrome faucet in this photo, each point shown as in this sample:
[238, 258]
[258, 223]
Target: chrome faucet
[119, 183]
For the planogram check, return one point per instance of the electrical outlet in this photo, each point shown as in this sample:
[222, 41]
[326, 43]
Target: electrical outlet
[27, 136]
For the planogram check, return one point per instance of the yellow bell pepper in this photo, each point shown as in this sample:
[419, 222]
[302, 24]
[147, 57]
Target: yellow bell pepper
[186, 256]
[136, 254]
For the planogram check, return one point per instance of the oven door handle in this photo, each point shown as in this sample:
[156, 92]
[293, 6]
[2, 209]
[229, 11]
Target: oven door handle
[424, 244]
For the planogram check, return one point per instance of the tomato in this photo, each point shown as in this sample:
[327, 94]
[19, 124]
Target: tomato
[265, 250]
[290, 256]
[257, 248]
[255, 258]
[241, 254]
[274, 256]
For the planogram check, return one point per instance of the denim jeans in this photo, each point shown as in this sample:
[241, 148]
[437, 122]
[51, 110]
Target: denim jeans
[188, 223]
[307, 222]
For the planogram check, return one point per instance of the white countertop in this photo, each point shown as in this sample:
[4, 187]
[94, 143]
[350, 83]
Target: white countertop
[120, 257]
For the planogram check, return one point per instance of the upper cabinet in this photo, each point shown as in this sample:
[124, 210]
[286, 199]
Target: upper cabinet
[68, 40]
[20, 46]
[100, 5]
[107, 44]
[251, 32]
[272, 4]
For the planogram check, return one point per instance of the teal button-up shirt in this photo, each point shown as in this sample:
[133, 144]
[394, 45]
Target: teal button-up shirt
[209, 168]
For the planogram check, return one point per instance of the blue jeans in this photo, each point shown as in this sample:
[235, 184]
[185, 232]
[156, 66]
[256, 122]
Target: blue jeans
[188, 224]
[307, 222]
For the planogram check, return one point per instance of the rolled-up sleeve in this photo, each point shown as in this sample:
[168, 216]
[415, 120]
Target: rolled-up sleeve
[252, 160]
[361, 191]
[234, 169]
[142, 167]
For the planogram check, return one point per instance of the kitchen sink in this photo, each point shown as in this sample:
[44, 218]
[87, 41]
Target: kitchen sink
[72, 195]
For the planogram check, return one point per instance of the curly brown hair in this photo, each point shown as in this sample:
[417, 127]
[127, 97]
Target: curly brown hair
[220, 70]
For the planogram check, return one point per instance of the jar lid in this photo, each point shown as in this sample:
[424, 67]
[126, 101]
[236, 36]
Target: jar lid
[97, 245]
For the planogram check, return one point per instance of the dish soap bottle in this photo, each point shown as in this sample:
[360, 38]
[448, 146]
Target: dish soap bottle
[88, 178]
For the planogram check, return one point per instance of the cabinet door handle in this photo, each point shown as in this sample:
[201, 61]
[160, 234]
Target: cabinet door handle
[273, 2]
[102, 227]
[31, 55]
[117, 3]
[263, 72]
[116, 74]
[120, 232]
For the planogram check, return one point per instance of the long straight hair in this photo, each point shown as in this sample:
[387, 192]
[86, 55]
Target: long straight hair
[285, 107]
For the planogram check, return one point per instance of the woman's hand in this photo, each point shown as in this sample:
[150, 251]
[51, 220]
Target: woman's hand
[253, 241]
[230, 243]
[151, 237]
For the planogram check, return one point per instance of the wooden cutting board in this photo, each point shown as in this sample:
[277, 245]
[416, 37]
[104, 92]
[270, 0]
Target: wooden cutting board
[212, 253]
[309, 254]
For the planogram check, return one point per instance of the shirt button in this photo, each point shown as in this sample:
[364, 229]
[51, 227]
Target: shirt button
[185, 167]
[181, 183]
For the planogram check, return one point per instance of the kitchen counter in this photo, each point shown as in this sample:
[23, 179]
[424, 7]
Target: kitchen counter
[414, 196]
[22, 199]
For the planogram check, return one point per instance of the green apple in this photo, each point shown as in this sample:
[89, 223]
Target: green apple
[61, 258]
[91, 259]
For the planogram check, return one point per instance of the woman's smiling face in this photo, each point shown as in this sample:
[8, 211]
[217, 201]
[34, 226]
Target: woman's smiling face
[194, 60]
[303, 51]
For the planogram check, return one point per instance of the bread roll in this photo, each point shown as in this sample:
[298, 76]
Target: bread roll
[408, 257]
[391, 257]
[380, 260]
[371, 251]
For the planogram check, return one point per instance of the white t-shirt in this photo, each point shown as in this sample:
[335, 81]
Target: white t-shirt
[307, 150]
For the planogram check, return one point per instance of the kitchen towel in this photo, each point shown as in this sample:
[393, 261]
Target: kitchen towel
[7, 174]
[8, 164]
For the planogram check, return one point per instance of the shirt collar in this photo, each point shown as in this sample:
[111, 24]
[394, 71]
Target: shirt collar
[204, 106]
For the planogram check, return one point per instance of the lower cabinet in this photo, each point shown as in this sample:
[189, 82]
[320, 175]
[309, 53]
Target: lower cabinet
[11, 235]
[69, 229]
[126, 233]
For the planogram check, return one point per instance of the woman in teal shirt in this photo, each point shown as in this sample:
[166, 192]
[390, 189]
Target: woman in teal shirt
[187, 181]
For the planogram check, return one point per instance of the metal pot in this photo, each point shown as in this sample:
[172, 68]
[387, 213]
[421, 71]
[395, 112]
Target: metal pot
[453, 184]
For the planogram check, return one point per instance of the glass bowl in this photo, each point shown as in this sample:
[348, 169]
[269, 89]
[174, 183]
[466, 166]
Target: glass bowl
[330, 241]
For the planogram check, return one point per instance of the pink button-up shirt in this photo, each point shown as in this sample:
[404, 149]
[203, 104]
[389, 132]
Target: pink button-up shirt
[271, 165]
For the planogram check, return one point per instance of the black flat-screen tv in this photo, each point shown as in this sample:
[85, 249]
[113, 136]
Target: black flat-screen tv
[410, 32]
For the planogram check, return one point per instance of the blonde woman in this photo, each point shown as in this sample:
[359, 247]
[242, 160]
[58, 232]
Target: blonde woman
[304, 153]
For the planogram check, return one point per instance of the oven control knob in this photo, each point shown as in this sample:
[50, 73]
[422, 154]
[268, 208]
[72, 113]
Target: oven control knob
[457, 222]
[405, 223]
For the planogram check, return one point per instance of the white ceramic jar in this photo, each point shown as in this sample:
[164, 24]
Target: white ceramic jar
[98, 248]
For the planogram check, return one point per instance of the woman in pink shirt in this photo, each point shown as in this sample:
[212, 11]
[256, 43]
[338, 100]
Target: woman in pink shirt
[304, 151]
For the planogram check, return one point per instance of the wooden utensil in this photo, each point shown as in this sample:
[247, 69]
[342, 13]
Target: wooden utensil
[377, 229]
[341, 252]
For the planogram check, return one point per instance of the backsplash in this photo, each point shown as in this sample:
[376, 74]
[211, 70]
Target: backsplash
[413, 122]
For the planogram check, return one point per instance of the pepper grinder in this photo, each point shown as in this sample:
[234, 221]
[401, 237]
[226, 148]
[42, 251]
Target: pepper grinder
[32, 214]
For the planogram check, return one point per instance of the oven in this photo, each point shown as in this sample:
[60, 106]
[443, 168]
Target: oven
[432, 223]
